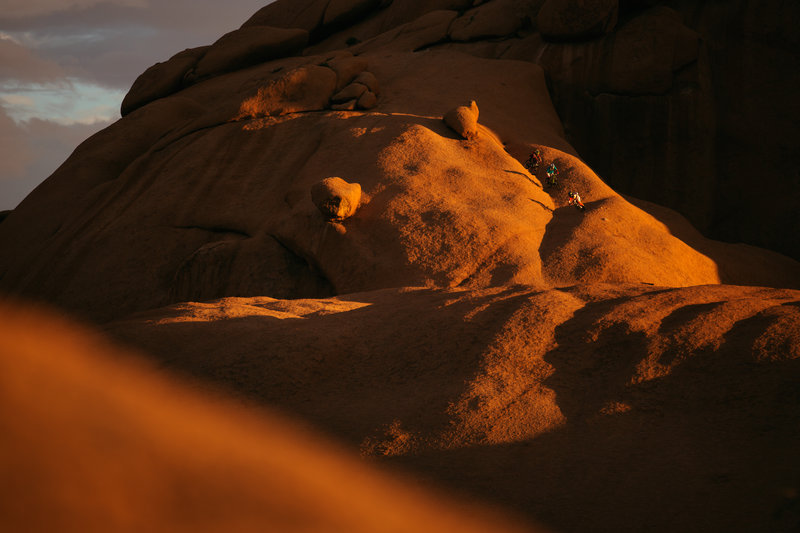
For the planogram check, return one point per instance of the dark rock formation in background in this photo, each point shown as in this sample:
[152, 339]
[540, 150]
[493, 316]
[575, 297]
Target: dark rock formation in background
[692, 106]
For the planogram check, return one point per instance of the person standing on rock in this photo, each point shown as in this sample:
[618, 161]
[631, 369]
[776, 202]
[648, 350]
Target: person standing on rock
[552, 173]
[533, 161]
[575, 199]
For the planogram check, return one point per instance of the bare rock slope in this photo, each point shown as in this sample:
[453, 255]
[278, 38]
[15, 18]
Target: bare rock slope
[593, 370]
[107, 443]
[601, 407]
[205, 193]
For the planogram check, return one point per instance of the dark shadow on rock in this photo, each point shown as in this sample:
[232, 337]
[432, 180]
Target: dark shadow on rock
[347, 373]
[737, 264]
[534, 182]
[559, 230]
[592, 371]
[710, 447]
[541, 204]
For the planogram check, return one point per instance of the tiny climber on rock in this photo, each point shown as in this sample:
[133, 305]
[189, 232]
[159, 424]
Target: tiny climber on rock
[575, 199]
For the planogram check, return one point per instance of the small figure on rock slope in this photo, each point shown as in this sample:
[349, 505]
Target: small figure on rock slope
[575, 199]
[552, 174]
[533, 161]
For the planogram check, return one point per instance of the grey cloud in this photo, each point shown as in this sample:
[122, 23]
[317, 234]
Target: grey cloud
[15, 154]
[111, 44]
[28, 8]
[32, 150]
[19, 63]
[101, 42]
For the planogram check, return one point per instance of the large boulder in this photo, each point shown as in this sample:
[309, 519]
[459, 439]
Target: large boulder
[317, 17]
[514, 393]
[369, 80]
[104, 441]
[577, 19]
[340, 13]
[162, 79]
[249, 46]
[290, 14]
[644, 54]
[368, 100]
[347, 68]
[675, 95]
[495, 19]
[429, 29]
[399, 13]
[351, 92]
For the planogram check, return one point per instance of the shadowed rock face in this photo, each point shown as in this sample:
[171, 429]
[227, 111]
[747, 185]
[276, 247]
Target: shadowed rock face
[691, 112]
[622, 401]
[103, 441]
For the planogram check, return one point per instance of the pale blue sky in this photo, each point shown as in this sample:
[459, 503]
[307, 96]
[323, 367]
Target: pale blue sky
[65, 66]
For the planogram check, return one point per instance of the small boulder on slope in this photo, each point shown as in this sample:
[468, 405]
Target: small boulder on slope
[463, 120]
[335, 198]
[351, 92]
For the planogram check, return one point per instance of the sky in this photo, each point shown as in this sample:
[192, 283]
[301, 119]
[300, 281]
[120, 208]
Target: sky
[66, 65]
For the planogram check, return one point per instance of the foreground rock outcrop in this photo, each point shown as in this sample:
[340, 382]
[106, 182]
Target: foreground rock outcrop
[95, 439]
[601, 408]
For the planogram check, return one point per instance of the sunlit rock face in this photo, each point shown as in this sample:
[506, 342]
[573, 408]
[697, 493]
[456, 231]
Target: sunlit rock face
[538, 400]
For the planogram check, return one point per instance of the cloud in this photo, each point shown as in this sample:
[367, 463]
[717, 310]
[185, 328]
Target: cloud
[74, 101]
[32, 150]
[31, 8]
[20, 63]
[111, 43]
[65, 66]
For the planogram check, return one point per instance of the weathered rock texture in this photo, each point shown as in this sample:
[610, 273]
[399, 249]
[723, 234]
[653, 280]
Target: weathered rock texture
[537, 400]
[576, 19]
[688, 107]
[102, 441]
[162, 79]
[249, 46]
